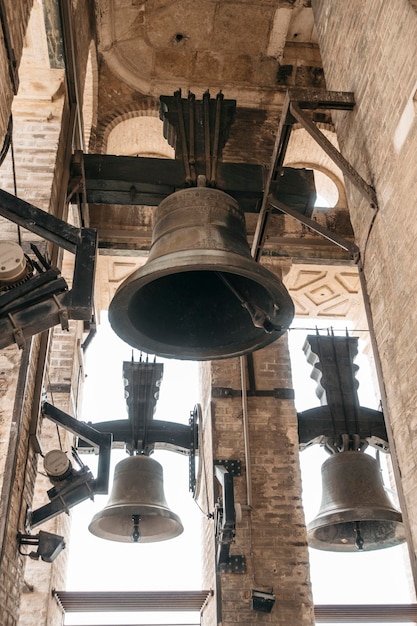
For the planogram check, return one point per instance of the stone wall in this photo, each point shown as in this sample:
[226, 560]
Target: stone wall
[368, 48]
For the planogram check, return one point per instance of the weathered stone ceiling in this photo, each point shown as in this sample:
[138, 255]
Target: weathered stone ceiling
[245, 48]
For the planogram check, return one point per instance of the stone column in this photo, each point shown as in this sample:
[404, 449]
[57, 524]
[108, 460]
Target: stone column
[270, 538]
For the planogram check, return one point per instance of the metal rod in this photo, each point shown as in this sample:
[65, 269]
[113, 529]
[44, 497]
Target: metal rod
[278, 154]
[349, 171]
[207, 147]
[71, 70]
[191, 127]
[343, 243]
[44, 346]
[246, 431]
[183, 136]
[215, 154]
[39, 222]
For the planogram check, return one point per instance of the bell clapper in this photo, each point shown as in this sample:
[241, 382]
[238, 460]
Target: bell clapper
[259, 317]
[359, 540]
[136, 532]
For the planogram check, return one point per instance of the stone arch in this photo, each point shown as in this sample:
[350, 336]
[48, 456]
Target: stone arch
[142, 107]
[139, 135]
[303, 151]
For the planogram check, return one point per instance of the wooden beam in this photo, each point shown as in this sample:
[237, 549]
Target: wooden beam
[146, 181]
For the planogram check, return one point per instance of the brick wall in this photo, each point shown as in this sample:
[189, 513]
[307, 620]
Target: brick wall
[368, 48]
[271, 533]
[16, 17]
[18, 473]
[37, 605]
[40, 157]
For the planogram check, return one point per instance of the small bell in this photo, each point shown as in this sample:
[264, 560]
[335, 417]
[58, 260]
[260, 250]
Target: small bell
[356, 512]
[137, 511]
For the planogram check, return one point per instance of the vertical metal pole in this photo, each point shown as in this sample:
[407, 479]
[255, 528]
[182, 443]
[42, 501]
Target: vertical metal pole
[246, 430]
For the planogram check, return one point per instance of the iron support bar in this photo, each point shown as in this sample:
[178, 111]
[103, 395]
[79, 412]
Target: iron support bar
[314, 99]
[80, 299]
[277, 160]
[159, 434]
[335, 155]
[66, 12]
[101, 440]
[38, 386]
[39, 222]
[343, 243]
[124, 180]
[281, 393]
[183, 138]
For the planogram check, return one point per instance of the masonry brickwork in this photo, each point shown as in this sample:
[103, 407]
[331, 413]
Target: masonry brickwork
[271, 533]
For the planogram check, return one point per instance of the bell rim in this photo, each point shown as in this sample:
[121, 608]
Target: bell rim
[186, 261]
[176, 525]
[390, 542]
[356, 515]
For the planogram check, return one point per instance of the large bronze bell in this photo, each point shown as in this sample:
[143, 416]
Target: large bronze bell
[137, 510]
[355, 512]
[200, 295]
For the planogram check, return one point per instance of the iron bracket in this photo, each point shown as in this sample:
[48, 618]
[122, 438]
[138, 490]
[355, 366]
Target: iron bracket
[37, 306]
[296, 101]
[235, 564]
[82, 485]
[340, 412]
[281, 393]
[366, 190]
[225, 470]
[233, 467]
[195, 421]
